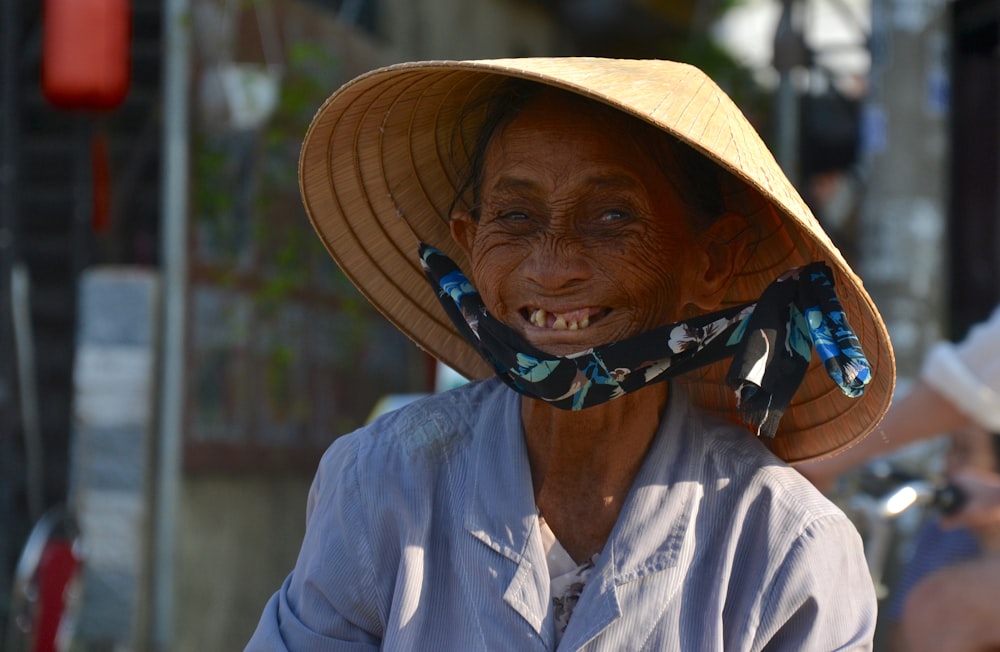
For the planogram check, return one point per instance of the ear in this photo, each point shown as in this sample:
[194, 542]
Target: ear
[724, 249]
[463, 230]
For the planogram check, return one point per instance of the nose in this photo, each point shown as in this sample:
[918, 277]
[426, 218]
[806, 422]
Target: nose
[556, 262]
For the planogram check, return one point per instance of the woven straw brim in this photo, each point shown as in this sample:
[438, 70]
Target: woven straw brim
[380, 168]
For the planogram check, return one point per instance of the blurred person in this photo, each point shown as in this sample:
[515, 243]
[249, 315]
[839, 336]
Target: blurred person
[953, 607]
[945, 599]
[944, 541]
[950, 603]
[610, 250]
[958, 386]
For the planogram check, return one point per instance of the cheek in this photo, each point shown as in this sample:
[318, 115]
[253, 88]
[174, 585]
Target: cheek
[493, 262]
[653, 276]
[493, 255]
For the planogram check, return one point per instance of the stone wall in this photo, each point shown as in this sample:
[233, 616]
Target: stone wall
[110, 468]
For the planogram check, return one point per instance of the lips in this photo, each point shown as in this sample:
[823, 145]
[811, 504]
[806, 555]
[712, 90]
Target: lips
[570, 320]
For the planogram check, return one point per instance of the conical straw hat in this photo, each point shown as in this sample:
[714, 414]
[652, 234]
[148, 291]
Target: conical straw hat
[381, 166]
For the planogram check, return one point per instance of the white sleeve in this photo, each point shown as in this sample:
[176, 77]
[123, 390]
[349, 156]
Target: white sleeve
[968, 373]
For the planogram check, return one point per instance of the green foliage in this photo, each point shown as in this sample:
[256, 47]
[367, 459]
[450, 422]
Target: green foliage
[252, 235]
[248, 218]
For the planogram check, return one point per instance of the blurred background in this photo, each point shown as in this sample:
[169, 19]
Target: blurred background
[176, 349]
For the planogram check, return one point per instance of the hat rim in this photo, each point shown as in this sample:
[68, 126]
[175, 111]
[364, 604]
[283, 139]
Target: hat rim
[352, 168]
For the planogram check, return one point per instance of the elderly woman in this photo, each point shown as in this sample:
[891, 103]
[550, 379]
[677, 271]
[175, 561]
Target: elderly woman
[611, 247]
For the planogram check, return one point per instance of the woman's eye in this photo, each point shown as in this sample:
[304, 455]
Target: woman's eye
[513, 221]
[614, 215]
[513, 216]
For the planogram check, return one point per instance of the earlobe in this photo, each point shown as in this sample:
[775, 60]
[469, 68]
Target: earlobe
[463, 230]
[725, 248]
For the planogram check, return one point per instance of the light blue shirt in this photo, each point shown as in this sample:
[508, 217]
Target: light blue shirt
[422, 534]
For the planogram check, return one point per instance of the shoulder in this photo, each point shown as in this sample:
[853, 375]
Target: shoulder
[387, 480]
[409, 449]
[741, 475]
[798, 532]
[426, 428]
[791, 563]
[802, 556]
[738, 452]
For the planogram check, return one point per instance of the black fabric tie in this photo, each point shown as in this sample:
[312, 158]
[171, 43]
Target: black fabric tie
[770, 340]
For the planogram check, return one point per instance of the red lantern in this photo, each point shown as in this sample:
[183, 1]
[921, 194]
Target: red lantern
[86, 53]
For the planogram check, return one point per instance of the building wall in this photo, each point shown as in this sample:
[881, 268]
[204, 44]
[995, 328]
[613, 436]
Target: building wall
[238, 540]
[452, 29]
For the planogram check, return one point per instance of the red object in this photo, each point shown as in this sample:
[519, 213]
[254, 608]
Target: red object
[86, 57]
[58, 567]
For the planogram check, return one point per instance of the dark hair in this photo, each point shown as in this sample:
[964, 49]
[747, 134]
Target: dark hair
[697, 179]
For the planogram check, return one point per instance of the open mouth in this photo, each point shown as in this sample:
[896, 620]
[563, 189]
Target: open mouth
[571, 320]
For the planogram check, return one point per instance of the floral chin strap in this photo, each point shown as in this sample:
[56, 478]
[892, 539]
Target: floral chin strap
[770, 341]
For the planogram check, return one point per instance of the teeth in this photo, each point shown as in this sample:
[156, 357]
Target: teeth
[540, 318]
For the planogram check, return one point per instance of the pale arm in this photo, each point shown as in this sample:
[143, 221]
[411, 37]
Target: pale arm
[958, 384]
[921, 413]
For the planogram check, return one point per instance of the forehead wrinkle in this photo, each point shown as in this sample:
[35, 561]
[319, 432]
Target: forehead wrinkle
[616, 181]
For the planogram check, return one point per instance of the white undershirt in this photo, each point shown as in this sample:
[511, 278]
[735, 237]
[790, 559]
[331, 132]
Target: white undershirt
[566, 577]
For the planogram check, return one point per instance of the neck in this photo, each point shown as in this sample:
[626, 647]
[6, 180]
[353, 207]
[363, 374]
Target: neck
[583, 462]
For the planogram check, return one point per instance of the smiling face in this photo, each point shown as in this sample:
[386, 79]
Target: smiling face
[579, 239]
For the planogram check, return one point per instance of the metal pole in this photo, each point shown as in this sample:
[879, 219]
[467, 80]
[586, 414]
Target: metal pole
[24, 353]
[789, 54]
[10, 59]
[787, 147]
[902, 219]
[173, 262]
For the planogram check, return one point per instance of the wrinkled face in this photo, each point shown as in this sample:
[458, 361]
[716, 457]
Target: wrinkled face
[580, 238]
